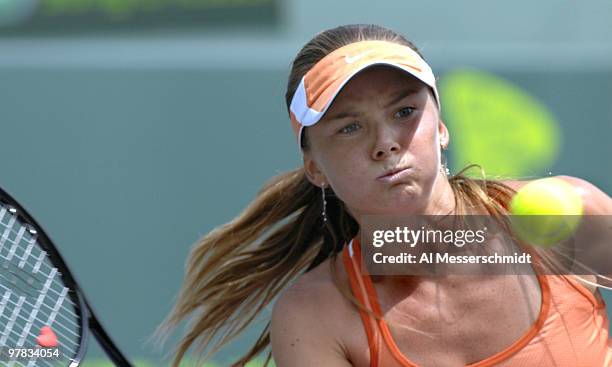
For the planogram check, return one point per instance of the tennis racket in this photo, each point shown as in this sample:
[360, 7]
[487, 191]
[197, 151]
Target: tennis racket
[45, 319]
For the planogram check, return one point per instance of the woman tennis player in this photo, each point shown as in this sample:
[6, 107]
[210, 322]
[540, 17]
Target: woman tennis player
[366, 114]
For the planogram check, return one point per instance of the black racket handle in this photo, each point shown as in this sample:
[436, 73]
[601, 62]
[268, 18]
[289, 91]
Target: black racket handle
[112, 351]
[107, 344]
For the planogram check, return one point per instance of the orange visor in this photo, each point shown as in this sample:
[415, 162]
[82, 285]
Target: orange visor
[323, 82]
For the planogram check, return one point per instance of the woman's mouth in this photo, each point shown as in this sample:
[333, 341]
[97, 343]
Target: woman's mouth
[394, 175]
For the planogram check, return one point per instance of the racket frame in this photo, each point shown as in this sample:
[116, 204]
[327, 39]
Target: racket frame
[88, 319]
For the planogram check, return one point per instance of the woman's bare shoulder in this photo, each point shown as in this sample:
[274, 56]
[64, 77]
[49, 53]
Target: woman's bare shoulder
[310, 318]
[318, 285]
[316, 296]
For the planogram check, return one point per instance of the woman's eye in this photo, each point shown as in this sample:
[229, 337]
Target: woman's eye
[349, 128]
[404, 112]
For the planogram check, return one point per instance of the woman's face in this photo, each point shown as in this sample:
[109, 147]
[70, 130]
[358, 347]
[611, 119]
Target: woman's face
[382, 120]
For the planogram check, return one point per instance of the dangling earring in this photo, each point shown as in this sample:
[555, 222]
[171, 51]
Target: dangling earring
[444, 162]
[324, 214]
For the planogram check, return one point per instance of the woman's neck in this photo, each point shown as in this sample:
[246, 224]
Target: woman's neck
[442, 200]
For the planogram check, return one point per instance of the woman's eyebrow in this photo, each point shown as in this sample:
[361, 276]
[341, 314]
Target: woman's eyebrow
[401, 95]
[342, 115]
[395, 99]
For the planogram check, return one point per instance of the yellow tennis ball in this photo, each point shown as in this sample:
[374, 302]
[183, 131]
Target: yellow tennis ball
[546, 211]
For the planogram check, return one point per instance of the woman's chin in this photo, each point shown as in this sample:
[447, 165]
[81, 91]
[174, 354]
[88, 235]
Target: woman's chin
[405, 193]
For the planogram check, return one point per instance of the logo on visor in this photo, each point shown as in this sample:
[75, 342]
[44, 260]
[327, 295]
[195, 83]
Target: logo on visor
[350, 60]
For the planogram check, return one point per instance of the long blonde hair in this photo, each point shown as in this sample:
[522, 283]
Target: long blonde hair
[236, 271]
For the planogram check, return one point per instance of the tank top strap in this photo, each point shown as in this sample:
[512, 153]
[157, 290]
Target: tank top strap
[361, 285]
[351, 264]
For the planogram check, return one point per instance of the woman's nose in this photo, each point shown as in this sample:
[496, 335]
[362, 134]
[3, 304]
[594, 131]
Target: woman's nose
[385, 144]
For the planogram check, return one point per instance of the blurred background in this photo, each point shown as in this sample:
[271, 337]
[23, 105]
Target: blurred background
[131, 128]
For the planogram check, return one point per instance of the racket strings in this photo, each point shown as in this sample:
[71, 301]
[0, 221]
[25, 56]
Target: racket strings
[69, 336]
[17, 336]
[70, 321]
[23, 260]
[65, 338]
[18, 342]
[68, 310]
[27, 281]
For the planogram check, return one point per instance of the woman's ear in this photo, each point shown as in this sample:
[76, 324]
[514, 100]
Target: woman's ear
[313, 173]
[443, 134]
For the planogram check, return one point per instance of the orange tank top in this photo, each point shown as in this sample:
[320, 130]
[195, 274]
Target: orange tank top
[571, 330]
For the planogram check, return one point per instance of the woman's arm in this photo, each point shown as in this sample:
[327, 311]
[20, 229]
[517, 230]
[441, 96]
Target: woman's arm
[595, 203]
[300, 335]
[598, 247]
